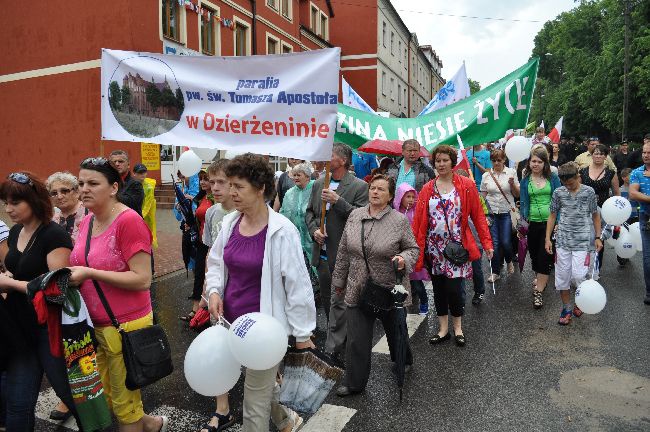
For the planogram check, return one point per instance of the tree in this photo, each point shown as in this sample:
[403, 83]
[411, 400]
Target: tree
[167, 98]
[474, 86]
[180, 102]
[114, 95]
[153, 97]
[126, 98]
[581, 70]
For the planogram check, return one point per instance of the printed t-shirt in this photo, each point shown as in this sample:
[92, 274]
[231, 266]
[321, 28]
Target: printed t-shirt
[637, 177]
[111, 250]
[575, 227]
[540, 198]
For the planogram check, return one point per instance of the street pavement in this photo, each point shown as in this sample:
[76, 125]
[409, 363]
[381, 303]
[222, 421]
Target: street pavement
[520, 370]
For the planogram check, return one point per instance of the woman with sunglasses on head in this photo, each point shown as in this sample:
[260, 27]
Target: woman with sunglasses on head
[536, 189]
[602, 179]
[119, 259]
[35, 246]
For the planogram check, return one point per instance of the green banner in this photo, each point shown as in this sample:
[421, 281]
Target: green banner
[483, 117]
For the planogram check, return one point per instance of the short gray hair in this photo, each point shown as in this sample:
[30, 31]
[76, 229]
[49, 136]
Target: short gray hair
[344, 152]
[304, 168]
[63, 177]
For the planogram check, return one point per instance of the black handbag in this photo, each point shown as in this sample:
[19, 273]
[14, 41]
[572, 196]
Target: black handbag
[146, 352]
[454, 252]
[374, 297]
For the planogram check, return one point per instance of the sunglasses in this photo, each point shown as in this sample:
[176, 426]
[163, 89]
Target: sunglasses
[20, 178]
[96, 161]
[62, 192]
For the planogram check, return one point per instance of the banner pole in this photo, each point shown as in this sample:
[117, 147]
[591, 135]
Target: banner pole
[323, 205]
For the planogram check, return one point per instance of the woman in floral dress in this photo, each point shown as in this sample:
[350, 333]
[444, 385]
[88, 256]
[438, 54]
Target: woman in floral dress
[442, 214]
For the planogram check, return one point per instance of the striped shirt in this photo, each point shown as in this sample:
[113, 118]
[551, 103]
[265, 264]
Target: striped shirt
[4, 231]
[575, 227]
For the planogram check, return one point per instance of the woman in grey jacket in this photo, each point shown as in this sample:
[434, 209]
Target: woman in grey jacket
[387, 237]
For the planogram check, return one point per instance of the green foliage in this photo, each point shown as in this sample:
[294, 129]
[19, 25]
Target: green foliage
[474, 86]
[114, 95]
[180, 102]
[167, 98]
[582, 78]
[154, 96]
[126, 98]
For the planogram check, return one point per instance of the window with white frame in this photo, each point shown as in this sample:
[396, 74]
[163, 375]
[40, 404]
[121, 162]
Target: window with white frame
[286, 48]
[313, 19]
[272, 44]
[399, 51]
[384, 34]
[392, 43]
[209, 33]
[242, 38]
[392, 85]
[383, 83]
[171, 20]
[399, 95]
[285, 9]
[324, 26]
[273, 4]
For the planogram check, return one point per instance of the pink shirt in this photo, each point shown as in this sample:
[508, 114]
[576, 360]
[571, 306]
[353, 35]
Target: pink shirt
[111, 250]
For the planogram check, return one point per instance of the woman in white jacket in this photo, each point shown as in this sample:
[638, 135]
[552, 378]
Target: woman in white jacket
[256, 265]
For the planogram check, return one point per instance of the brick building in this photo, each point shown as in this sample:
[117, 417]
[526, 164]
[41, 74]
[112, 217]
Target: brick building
[382, 60]
[50, 85]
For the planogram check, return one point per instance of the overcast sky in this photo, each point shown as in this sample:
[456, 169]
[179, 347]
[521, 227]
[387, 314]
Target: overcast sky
[491, 49]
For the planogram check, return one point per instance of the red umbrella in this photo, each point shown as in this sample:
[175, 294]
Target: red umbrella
[388, 147]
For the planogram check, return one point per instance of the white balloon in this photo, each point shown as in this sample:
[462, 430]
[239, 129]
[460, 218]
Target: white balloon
[210, 368]
[612, 242]
[207, 154]
[258, 340]
[518, 148]
[635, 232]
[591, 297]
[189, 163]
[625, 246]
[616, 210]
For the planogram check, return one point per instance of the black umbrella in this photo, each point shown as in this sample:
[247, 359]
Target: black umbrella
[191, 235]
[401, 332]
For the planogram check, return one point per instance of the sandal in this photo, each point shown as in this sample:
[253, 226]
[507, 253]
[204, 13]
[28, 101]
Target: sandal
[224, 421]
[187, 317]
[538, 301]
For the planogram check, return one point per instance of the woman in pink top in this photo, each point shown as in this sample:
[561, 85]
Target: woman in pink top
[120, 260]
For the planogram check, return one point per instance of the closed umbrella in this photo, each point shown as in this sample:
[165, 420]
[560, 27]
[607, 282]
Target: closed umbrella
[401, 332]
[523, 245]
[191, 236]
[388, 147]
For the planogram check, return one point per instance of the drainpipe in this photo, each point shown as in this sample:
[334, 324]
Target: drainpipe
[254, 30]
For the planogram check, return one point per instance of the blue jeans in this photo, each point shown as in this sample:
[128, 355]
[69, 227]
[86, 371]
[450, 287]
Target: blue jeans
[645, 241]
[23, 382]
[418, 287]
[501, 232]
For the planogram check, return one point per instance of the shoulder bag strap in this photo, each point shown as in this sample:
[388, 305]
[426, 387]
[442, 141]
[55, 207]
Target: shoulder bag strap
[98, 288]
[512, 207]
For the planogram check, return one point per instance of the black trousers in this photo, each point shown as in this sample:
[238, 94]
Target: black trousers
[448, 295]
[358, 349]
[199, 271]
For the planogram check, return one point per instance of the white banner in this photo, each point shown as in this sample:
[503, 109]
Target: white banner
[455, 89]
[352, 98]
[283, 105]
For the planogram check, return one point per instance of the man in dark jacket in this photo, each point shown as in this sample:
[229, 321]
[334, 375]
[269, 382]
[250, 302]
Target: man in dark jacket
[132, 194]
[410, 169]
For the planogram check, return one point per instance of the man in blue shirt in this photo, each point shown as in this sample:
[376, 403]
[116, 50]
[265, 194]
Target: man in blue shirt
[479, 162]
[410, 169]
[640, 192]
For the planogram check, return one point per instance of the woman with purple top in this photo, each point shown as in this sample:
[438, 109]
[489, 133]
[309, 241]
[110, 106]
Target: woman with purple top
[252, 268]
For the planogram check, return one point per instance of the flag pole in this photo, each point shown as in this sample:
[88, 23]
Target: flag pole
[326, 185]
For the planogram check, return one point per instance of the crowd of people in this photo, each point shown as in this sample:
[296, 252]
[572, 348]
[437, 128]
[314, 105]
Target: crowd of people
[263, 246]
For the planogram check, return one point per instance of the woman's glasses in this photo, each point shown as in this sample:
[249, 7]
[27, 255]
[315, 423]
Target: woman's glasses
[62, 192]
[20, 178]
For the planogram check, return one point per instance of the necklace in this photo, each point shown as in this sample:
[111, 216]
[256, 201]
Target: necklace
[101, 226]
[539, 181]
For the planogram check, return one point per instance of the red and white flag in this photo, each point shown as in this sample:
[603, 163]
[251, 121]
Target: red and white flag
[556, 132]
[462, 162]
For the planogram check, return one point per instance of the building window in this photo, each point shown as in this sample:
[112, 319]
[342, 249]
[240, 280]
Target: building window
[273, 4]
[313, 21]
[384, 34]
[405, 100]
[399, 95]
[272, 45]
[383, 83]
[242, 39]
[324, 27]
[392, 84]
[392, 43]
[171, 23]
[399, 50]
[285, 9]
[286, 49]
[406, 58]
[208, 34]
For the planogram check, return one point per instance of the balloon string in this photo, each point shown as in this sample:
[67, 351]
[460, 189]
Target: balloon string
[221, 320]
